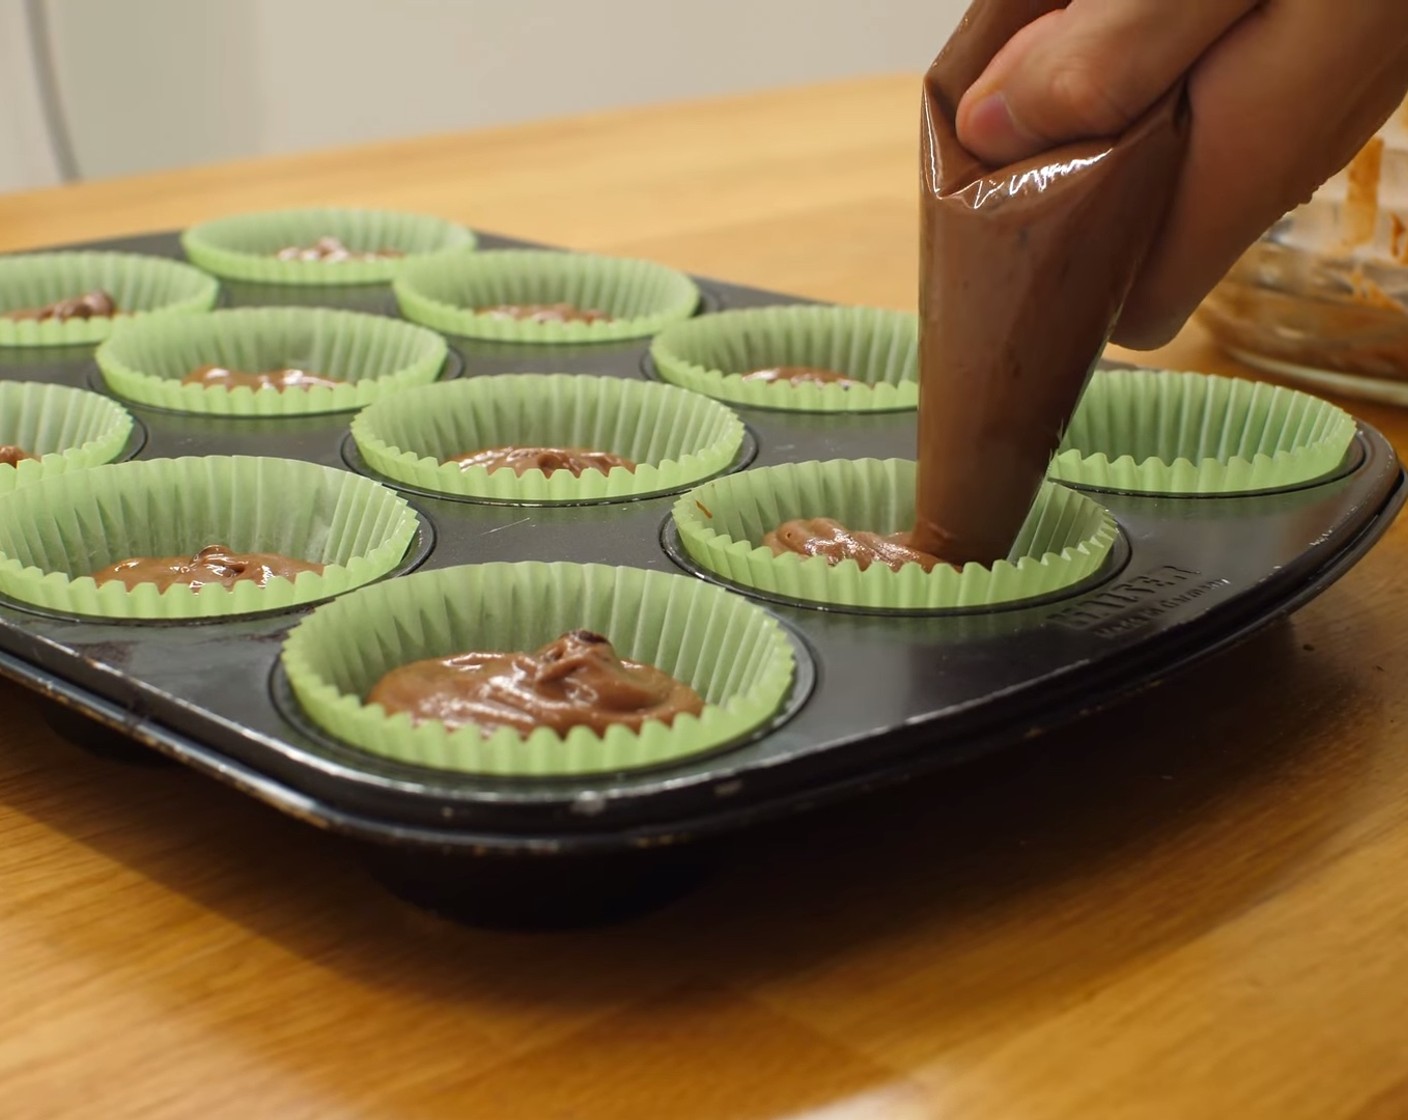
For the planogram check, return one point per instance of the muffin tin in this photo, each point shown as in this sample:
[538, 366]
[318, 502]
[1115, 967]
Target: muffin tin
[878, 696]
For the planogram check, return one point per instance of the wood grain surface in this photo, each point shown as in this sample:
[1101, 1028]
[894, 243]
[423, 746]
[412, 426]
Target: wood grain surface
[1194, 905]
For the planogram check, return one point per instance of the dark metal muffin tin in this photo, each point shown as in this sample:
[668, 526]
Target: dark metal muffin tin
[878, 698]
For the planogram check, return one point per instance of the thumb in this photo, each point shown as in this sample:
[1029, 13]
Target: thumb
[1086, 70]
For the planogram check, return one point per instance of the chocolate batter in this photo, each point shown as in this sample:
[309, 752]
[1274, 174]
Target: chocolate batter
[10, 454]
[575, 681]
[544, 313]
[546, 459]
[279, 379]
[821, 536]
[1024, 270]
[96, 304]
[801, 375]
[213, 564]
[332, 250]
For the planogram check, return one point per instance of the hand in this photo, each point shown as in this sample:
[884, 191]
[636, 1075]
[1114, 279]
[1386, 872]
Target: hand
[1283, 92]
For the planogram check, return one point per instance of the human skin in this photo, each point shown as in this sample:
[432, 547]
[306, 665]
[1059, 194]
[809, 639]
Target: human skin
[1283, 93]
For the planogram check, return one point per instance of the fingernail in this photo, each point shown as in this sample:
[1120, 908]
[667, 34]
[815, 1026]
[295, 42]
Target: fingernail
[990, 131]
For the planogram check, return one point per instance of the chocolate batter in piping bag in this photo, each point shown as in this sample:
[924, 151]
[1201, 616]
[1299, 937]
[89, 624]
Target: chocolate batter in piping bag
[1023, 272]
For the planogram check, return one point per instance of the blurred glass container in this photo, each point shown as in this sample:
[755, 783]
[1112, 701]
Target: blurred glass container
[1322, 298]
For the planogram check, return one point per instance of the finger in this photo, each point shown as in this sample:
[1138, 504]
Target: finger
[1086, 70]
[1265, 134]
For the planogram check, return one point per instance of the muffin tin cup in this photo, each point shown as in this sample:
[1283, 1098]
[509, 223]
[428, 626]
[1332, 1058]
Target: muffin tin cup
[56, 532]
[1154, 432]
[243, 247]
[879, 348]
[375, 356]
[642, 297]
[1065, 540]
[140, 286]
[68, 429]
[675, 438]
[735, 655]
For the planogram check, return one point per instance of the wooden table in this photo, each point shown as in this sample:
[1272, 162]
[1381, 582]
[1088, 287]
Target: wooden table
[1193, 906]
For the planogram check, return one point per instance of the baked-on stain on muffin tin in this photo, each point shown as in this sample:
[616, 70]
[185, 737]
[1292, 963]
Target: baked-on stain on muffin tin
[893, 695]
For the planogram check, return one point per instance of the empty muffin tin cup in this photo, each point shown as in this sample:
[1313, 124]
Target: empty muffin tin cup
[879, 349]
[140, 286]
[1065, 540]
[246, 246]
[55, 533]
[373, 356]
[735, 655]
[450, 291]
[65, 429]
[1146, 431]
[675, 438]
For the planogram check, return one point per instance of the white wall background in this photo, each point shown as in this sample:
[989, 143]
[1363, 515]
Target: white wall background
[147, 84]
[26, 157]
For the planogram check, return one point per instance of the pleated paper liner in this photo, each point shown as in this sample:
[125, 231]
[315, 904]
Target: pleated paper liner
[675, 438]
[375, 356]
[732, 653]
[68, 429]
[139, 285]
[1191, 433]
[245, 246]
[641, 297]
[57, 532]
[1064, 541]
[879, 348]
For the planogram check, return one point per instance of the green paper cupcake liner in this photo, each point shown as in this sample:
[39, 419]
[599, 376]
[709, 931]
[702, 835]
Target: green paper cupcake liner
[1065, 539]
[1191, 433]
[243, 247]
[139, 285]
[375, 356]
[69, 429]
[736, 656]
[880, 348]
[675, 438]
[56, 532]
[642, 297]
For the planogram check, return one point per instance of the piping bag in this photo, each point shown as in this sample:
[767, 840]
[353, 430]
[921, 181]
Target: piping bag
[1024, 270]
